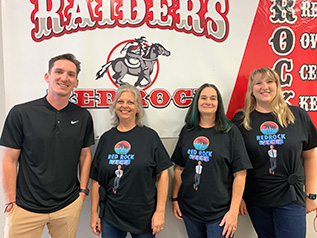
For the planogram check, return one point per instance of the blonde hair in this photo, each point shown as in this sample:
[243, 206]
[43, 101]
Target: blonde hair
[279, 106]
[138, 101]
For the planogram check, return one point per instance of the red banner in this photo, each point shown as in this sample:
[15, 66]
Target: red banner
[283, 37]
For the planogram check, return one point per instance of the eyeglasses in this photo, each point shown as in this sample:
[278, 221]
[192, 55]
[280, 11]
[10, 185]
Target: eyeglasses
[9, 206]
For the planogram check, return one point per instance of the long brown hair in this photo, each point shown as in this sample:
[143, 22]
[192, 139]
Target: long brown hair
[192, 118]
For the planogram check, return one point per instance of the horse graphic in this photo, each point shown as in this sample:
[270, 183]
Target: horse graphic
[126, 65]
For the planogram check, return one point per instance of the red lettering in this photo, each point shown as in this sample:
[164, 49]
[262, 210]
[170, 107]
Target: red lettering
[85, 98]
[143, 95]
[159, 98]
[183, 97]
[106, 97]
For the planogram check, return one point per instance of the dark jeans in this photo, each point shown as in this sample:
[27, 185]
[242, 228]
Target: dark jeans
[288, 221]
[197, 229]
[109, 231]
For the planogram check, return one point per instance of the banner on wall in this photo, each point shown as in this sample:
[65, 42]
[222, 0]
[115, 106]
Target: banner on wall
[283, 37]
[167, 48]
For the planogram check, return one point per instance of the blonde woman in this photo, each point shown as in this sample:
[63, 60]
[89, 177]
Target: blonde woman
[276, 200]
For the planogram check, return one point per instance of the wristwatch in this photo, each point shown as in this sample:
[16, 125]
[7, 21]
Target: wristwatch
[85, 191]
[311, 196]
[174, 199]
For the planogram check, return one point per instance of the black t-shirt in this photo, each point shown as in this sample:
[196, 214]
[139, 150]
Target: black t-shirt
[126, 165]
[50, 142]
[209, 159]
[263, 188]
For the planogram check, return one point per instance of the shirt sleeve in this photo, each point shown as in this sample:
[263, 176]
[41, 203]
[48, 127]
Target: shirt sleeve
[177, 156]
[310, 129]
[237, 119]
[241, 159]
[12, 134]
[162, 158]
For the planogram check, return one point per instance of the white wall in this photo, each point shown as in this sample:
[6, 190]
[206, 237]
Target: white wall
[2, 114]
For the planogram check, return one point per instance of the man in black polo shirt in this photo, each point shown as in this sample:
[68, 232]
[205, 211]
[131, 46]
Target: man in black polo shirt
[44, 142]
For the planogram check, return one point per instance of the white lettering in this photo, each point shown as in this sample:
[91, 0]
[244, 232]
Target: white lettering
[199, 17]
[42, 16]
[308, 72]
[216, 26]
[159, 11]
[307, 40]
[309, 9]
[185, 13]
[79, 11]
[127, 10]
[308, 103]
[105, 10]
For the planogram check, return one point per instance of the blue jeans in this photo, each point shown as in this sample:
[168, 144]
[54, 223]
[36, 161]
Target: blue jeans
[109, 231]
[197, 229]
[279, 222]
[196, 180]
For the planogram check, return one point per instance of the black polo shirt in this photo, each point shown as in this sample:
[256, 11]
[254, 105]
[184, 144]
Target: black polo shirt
[50, 141]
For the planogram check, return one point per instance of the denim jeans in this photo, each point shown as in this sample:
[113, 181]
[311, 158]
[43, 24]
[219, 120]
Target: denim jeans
[109, 231]
[197, 229]
[279, 222]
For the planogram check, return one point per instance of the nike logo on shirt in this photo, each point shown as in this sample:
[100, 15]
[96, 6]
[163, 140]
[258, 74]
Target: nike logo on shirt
[74, 122]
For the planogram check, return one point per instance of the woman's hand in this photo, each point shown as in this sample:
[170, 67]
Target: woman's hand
[158, 220]
[229, 221]
[310, 205]
[95, 224]
[243, 208]
[177, 211]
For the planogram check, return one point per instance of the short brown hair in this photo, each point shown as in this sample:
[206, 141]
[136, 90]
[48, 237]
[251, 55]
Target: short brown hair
[67, 56]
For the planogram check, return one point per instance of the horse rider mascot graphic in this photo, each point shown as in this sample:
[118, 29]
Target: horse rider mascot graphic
[139, 61]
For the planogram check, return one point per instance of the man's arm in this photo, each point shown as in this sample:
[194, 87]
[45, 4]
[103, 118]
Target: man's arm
[84, 169]
[10, 158]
